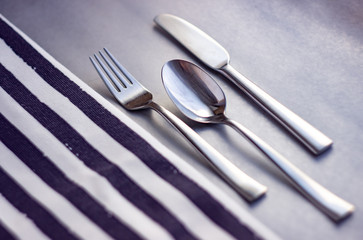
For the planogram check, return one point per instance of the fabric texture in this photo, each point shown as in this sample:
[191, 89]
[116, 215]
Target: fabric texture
[74, 167]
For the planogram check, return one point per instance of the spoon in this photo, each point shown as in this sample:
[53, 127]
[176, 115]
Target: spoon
[200, 98]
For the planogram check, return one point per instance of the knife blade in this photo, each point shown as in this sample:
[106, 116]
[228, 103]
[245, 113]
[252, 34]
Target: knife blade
[210, 52]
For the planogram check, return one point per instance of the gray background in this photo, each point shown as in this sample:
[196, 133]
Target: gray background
[307, 54]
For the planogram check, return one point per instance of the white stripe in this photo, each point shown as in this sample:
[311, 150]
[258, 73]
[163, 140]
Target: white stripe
[75, 170]
[55, 203]
[236, 209]
[191, 216]
[17, 222]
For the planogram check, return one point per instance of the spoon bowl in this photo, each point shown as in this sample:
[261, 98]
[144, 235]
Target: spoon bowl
[201, 99]
[194, 92]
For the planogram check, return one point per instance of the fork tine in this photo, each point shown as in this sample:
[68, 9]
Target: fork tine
[109, 74]
[128, 75]
[122, 79]
[104, 77]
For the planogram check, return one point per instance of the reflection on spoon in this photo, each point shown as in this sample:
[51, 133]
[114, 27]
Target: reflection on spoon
[201, 99]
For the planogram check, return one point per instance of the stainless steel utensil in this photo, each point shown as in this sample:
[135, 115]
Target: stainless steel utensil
[133, 96]
[201, 99]
[215, 56]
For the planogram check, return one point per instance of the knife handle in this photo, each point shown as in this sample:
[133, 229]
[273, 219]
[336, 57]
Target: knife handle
[241, 182]
[311, 137]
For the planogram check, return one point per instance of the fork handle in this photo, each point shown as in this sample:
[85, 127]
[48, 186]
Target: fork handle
[241, 182]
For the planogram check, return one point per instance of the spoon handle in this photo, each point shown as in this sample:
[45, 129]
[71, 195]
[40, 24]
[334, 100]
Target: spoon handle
[241, 182]
[332, 205]
[311, 137]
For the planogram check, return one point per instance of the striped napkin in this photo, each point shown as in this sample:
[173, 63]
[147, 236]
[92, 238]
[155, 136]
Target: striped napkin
[72, 166]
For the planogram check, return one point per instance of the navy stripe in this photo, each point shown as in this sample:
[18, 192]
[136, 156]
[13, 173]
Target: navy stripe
[4, 234]
[24, 203]
[90, 156]
[124, 135]
[50, 174]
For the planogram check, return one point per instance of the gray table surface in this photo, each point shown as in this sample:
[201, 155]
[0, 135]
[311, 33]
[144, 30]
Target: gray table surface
[307, 54]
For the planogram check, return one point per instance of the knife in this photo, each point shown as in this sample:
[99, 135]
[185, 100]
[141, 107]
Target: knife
[216, 57]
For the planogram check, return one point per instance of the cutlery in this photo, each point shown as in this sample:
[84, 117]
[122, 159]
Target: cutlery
[216, 57]
[201, 99]
[133, 96]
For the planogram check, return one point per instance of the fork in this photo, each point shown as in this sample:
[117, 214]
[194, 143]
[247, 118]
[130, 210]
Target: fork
[133, 96]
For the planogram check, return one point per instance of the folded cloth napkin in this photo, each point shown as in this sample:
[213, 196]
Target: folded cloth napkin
[72, 166]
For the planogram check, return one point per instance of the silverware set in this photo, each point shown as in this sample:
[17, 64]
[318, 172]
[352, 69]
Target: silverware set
[201, 99]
